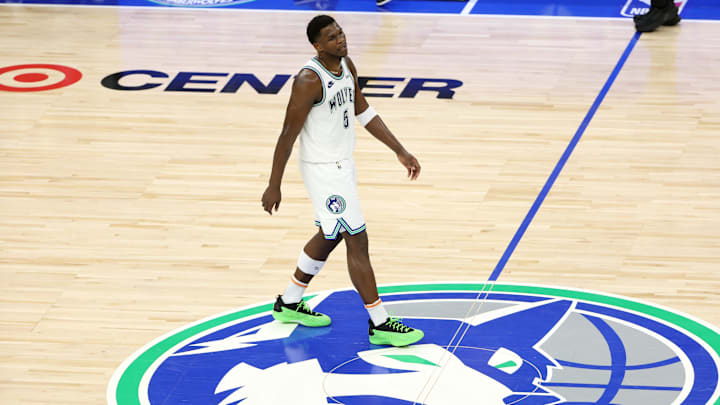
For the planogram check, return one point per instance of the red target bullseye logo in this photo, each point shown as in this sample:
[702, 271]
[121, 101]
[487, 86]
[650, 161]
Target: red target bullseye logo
[37, 77]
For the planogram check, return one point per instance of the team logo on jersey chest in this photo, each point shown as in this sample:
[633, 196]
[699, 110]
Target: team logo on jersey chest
[335, 204]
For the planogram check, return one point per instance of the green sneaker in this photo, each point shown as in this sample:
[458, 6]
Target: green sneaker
[298, 313]
[393, 333]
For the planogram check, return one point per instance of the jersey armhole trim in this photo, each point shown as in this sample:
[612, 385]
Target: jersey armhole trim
[322, 83]
[347, 67]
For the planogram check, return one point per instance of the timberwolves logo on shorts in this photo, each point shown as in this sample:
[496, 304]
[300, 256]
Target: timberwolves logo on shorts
[517, 344]
[335, 204]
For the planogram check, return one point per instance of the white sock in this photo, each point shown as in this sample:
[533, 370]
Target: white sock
[294, 292]
[377, 312]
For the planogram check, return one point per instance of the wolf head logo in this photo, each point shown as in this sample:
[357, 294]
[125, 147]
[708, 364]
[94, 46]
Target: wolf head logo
[335, 204]
[508, 351]
[498, 362]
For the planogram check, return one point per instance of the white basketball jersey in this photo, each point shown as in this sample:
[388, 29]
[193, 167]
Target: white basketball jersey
[328, 134]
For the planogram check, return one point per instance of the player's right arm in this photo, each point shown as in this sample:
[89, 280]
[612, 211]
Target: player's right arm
[306, 91]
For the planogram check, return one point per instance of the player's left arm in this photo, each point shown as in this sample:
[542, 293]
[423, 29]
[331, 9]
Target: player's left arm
[372, 122]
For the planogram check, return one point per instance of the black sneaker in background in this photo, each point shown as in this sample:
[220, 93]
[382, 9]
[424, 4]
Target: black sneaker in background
[656, 17]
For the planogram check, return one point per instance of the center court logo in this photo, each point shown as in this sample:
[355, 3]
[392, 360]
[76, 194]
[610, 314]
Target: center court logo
[512, 344]
[200, 3]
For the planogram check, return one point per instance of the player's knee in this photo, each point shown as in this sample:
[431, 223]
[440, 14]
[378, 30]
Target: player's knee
[308, 265]
[359, 240]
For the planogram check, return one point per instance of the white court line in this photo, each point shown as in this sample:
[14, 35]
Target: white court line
[468, 7]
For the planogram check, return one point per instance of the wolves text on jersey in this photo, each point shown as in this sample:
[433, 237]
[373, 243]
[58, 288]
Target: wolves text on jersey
[345, 95]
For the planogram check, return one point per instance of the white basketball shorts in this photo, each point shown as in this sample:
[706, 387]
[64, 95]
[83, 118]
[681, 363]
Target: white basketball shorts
[333, 190]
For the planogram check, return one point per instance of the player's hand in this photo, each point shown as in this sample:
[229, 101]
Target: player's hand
[411, 164]
[271, 198]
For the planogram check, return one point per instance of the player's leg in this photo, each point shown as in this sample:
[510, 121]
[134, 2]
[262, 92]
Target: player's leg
[383, 330]
[313, 257]
[361, 271]
[289, 307]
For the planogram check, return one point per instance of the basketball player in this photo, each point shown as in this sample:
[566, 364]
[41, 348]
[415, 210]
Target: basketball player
[662, 12]
[324, 103]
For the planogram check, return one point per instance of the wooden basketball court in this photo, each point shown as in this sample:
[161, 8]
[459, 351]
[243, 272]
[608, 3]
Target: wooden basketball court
[127, 214]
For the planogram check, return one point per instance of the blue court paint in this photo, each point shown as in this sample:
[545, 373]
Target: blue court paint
[694, 9]
[404, 6]
[561, 163]
[702, 10]
[575, 8]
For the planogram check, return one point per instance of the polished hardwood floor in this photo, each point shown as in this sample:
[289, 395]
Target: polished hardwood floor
[127, 214]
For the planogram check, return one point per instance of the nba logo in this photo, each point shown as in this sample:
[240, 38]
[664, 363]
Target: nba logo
[637, 7]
